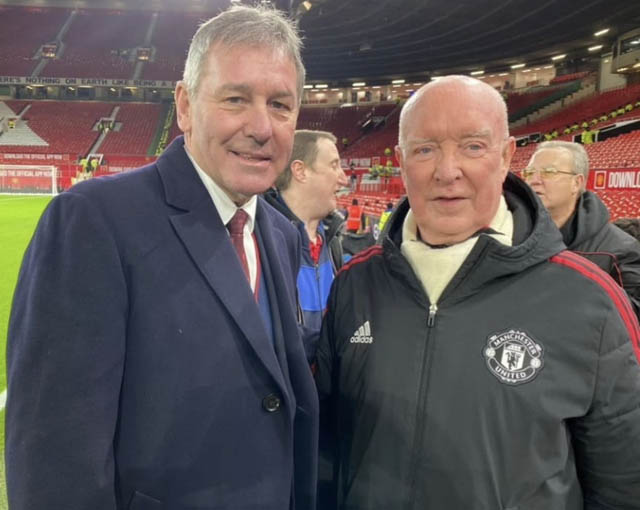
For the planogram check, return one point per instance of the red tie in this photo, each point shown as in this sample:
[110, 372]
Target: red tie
[236, 229]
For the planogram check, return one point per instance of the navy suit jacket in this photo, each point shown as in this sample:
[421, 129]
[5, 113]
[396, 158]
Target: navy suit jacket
[140, 372]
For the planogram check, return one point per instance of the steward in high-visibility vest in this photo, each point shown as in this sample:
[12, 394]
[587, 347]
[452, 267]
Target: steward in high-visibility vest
[354, 218]
[586, 137]
[384, 217]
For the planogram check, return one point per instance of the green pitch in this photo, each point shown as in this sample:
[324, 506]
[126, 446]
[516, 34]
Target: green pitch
[18, 218]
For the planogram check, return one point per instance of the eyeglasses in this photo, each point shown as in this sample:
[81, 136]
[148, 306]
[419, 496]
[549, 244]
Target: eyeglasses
[546, 174]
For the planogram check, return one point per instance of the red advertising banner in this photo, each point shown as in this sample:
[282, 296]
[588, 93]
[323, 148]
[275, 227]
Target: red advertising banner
[617, 178]
[12, 158]
[30, 180]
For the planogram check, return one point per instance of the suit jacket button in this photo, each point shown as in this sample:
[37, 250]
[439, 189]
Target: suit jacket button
[271, 403]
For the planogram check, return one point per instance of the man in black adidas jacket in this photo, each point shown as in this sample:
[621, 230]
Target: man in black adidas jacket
[470, 362]
[557, 173]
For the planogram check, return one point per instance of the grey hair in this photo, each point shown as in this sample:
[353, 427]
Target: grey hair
[577, 151]
[305, 149]
[453, 81]
[244, 26]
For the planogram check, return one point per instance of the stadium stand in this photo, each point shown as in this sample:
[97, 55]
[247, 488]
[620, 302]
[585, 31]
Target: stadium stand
[346, 121]
[375, 143]
[591, 107]
[137, 124]
[621, 203]
[170, 41]
[525, 104]
[100, 44]
[24, 31]
[68, 127]
[568, 77]
[517, 101]
[17, 106]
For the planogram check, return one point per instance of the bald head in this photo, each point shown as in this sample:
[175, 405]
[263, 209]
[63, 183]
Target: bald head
[456, 90]
[454, 156]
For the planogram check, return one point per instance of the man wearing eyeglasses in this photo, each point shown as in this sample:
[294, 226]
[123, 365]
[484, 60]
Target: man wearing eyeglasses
[558, 173]
[471, 361]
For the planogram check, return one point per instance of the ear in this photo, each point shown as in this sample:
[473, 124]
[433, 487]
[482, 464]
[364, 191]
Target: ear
[299, 170]
[183, 111]
[400, 158]
[578, 185]
[507, 155]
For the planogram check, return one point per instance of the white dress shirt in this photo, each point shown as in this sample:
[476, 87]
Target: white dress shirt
[226, 209]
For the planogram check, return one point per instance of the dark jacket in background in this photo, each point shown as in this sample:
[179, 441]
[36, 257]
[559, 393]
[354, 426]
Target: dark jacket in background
[589, 233]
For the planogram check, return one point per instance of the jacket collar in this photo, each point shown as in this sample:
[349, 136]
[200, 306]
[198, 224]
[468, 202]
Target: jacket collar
[535, 240]
[183, 188]
[331, 225]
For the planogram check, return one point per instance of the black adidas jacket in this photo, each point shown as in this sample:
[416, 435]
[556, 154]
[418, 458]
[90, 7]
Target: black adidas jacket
[521, 390]
[589, 233]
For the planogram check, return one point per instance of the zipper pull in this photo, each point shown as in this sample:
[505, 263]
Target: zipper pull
[433, 309]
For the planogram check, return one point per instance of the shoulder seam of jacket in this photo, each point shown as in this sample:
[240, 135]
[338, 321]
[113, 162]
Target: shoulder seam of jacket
[361, 257]
[609, 254]
[608, 284]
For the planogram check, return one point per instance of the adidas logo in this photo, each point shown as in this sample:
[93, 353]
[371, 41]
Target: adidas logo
[362, 335]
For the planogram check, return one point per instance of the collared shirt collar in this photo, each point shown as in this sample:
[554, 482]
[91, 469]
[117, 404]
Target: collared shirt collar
[225, 206]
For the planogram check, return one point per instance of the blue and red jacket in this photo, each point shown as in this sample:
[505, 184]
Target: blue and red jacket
[316, 272]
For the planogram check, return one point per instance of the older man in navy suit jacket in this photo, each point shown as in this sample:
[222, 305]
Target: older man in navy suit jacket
[153, 363]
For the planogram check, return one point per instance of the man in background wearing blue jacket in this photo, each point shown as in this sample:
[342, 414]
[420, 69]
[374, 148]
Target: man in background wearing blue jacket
[306, 194]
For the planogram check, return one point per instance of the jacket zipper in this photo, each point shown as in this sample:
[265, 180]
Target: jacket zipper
[420, 419]
[433, 309]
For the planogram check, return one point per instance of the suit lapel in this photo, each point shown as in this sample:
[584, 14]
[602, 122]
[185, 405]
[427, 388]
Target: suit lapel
[204, 236]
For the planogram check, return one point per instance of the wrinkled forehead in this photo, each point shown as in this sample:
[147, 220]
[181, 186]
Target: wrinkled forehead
[272, 53]
[551, 157]
[454, 111]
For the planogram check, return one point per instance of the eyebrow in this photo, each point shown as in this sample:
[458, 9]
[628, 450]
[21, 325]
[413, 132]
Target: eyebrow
[243, 88]
[417, 141]
[485, 133]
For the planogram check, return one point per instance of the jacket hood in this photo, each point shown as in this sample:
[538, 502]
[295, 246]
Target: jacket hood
[589, 218]
[536, 239]
[331, 224]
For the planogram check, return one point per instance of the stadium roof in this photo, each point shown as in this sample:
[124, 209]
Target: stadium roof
[397, 38]
[353, 40]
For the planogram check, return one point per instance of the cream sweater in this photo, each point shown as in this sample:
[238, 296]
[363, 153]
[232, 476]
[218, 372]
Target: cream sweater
[435, 267]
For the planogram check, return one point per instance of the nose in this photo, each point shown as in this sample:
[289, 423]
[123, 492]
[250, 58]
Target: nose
[447, 165]
[342, 178]
[258, 124]
[534, 178]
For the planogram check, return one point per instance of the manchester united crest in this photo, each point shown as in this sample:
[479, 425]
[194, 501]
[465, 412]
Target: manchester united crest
[513, 357]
